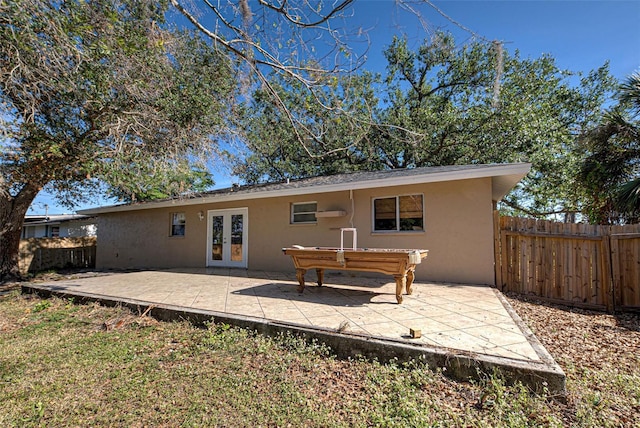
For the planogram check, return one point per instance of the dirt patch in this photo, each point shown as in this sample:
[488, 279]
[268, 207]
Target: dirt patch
[599, 352]
[590, 338]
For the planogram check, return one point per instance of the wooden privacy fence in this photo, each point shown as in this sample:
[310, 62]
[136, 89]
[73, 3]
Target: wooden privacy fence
[38, 254]
[584, 265]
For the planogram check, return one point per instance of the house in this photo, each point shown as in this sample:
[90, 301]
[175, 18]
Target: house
[58, 226]
[447, 210]
[55, 241]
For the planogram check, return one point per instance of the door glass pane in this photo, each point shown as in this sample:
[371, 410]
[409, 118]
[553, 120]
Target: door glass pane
[236, 237]
[216, 233]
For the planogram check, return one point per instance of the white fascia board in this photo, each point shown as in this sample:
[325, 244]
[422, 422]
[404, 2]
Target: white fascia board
[509, 175]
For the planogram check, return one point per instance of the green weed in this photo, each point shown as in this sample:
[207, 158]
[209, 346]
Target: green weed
[59, 366]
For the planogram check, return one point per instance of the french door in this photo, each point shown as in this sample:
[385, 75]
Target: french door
[227, 237]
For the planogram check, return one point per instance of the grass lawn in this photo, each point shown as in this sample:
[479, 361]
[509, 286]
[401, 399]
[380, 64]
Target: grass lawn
[67, 364]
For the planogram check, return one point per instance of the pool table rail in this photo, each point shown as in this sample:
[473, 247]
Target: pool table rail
[400, 263]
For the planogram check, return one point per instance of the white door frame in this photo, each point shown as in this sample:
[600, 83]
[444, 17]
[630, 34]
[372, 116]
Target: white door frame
[226, 243]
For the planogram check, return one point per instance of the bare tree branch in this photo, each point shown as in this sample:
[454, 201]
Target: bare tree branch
[296, 20]
[293, 27]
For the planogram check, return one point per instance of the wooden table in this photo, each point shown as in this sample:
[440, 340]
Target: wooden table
[399, 263]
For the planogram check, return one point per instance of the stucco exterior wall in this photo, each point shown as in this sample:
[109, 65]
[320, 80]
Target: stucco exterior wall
[458, 231]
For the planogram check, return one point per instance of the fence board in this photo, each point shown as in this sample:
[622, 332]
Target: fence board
[583, 265]
[38, 254]
[629, 267]
[496, 246]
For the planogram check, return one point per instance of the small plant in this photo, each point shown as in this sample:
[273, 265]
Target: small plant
[41, 306]
[38, 413]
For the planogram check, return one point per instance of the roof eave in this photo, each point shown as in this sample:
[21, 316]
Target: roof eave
[504, 178]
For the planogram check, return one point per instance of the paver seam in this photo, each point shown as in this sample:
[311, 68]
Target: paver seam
[226, 289]
[294, 302]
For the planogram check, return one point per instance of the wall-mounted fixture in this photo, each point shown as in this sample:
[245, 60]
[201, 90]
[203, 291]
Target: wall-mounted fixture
[334, 213]
[201, 215]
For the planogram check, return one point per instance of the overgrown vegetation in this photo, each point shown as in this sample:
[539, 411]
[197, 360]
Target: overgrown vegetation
[67, 364]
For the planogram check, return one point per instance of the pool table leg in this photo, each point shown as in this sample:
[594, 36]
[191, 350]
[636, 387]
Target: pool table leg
[320, 273]
[410, 278]
[401, 282]
[300, 276]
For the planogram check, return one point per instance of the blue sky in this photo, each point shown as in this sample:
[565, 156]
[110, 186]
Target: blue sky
[581, 35]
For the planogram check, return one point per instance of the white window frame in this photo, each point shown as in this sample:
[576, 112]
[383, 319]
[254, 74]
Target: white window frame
[293, 214]
[397, 229]
[183, 223]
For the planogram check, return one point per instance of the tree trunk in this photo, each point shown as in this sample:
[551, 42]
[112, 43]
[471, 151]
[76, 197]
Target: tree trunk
[12, 212]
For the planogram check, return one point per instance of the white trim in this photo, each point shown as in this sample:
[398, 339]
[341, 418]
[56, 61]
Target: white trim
[505, 176]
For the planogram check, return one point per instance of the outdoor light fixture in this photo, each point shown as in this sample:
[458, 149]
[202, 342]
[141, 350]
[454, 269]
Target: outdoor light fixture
[200, 215]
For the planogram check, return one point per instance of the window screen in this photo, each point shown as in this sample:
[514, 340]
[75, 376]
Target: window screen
[178, 224]
[398, 213]
[304, 212]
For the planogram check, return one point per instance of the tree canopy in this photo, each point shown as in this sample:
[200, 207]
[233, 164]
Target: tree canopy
[440, 104]
[610, 170]
[93, 90]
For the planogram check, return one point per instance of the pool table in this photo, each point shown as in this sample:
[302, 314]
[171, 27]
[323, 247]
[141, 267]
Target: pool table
[399, 263]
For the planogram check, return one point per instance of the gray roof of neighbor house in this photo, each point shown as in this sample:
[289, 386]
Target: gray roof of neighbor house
[504, 178]
[35, 220]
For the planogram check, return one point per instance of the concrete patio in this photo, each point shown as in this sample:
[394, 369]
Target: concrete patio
[466, 329]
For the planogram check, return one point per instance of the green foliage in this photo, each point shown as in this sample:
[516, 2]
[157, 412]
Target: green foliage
[440, 104]
[480, 104]
[628, 197]
[328, 134]
[158, 182]
[103, 93]
[610, 171]
[90, 87]
[41, 306]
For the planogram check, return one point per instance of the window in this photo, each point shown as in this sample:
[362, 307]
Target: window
[304, 212]
[398, 213]
[178, 223]
[55, 231]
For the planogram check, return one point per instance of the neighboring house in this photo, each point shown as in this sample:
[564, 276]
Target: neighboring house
[447, 210]
[58, 226]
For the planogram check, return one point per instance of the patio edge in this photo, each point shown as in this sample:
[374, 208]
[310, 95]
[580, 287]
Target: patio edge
[457, 364]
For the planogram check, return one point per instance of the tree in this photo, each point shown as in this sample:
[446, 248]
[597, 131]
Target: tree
[441, 104]
[329, 136]
[91, 88]
[610, 172]
[628, 197]
[480, 104]
[292, 41]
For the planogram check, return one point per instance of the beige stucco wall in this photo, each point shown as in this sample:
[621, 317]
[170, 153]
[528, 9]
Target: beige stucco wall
[458, 231]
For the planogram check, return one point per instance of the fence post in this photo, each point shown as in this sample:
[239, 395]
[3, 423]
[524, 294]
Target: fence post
[505, 256]
[497, 253]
